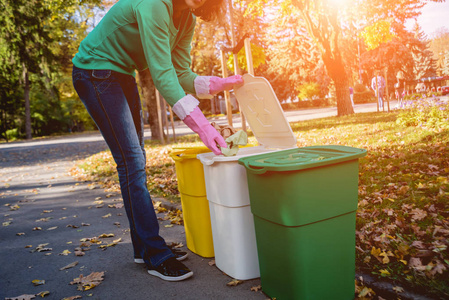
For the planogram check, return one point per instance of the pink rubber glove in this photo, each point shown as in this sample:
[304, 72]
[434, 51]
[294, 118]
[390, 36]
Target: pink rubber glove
[218, 84]
[208, 134]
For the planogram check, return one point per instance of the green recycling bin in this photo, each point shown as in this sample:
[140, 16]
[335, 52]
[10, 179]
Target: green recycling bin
[304, 202]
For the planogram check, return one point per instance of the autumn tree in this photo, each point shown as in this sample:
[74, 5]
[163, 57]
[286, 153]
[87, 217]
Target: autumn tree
[292, 58]
[439, 44]
[422, 56]
[322, 18]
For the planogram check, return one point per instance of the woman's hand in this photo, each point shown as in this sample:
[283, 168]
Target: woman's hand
[217, 84]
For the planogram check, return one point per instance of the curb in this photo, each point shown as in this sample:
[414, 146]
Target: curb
[167, 204]
[385, 289]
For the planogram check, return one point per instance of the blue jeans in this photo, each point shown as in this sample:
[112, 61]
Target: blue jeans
[113, 102]
[380, 99]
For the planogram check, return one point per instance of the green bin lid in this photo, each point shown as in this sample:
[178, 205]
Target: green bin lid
[300, 158]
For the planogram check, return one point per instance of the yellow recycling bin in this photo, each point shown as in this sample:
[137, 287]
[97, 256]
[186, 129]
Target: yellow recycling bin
[195, 206]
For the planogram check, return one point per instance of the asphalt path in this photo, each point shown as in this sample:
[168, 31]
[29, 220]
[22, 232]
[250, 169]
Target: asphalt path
[46, 214]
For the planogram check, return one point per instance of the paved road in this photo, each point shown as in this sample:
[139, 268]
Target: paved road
[43, 208]
[78, 146]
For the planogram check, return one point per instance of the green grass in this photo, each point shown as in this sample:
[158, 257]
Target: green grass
[402, 226]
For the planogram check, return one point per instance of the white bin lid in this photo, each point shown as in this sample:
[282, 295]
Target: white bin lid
[264, 114]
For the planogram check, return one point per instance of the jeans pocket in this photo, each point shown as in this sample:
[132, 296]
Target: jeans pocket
[102, 79]
[76, 75]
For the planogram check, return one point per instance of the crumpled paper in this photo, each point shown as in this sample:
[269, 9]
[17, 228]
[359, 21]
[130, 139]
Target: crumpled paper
[224, 130]
[240, 138]
[233, 138]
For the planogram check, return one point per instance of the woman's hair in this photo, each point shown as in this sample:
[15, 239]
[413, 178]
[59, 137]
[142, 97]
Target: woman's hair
[210, 10]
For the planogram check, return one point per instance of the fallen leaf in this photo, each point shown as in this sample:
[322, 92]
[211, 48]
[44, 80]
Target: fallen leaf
[22, 297]
[65, 252]
[169, 225]
[106, 216]
[211, 262]
[234, 282]
[73, 264]
[52, 228]
[398, 289]
[418, 214]
[37, 282]
[43, 294]
[366, 291]
[89, 282]
[44, 219]
[37, 228]
[20, 233]
[14, 207]
[104, 235]
[6, 223]
[256, 288]
[403, 189]
[72, 297]
[42, 248]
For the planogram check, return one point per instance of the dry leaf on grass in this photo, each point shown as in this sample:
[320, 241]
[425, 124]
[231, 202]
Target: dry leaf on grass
[89, 282]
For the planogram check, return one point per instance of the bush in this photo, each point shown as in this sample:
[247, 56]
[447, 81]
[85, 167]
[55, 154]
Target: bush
[360, 88]
[12, 134]
[414, 96]
[366, 96]
[431, 114]
[322, 102]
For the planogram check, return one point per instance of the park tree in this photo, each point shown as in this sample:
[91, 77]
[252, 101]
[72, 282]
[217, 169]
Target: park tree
[32, 37]
[292, 58]
[422, 56]
[439, 44]
[25, 38]
[323, 23]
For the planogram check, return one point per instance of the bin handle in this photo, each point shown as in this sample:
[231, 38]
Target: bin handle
[254, 170]
[183, 156]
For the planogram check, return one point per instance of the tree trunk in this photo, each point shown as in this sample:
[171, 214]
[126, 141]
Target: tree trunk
[337, 72]
[26, 83]
[149, 99]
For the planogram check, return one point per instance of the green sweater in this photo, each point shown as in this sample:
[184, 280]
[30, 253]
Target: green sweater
[140, 34]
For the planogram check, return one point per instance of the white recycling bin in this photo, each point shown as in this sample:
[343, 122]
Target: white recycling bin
[232, 222]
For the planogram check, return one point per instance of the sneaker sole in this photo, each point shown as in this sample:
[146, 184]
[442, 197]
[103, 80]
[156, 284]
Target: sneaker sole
[170, 278]
[141, 261]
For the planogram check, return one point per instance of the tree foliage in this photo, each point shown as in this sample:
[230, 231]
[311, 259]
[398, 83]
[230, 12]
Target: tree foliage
[37, 42]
